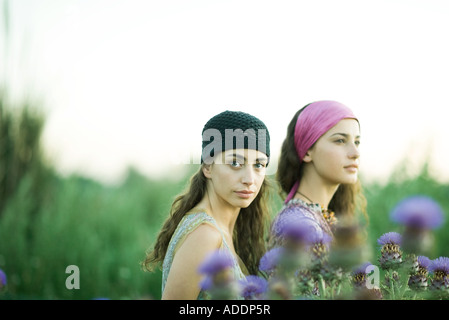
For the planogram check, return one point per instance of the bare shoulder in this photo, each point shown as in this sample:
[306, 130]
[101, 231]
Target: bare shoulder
[206, 235]
[183, 278]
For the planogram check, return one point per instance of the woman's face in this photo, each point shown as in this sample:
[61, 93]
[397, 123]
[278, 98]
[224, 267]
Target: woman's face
[335, 155]
[237, 175]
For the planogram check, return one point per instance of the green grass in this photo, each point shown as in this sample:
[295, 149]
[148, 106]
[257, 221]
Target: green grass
[106, 230]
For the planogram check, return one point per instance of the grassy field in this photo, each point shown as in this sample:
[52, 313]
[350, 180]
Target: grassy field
[105, 231]
[49, 222]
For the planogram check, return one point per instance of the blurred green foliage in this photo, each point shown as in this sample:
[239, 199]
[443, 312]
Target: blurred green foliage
[48, 222]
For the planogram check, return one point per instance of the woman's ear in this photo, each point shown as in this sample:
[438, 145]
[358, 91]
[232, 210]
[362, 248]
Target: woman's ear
[307, 157]
[207, 170]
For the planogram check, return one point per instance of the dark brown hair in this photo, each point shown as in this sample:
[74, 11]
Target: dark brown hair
[348, 198]
[249, 233]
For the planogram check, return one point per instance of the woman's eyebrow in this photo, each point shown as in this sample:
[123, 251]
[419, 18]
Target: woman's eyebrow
[235, 155]
[344, 135]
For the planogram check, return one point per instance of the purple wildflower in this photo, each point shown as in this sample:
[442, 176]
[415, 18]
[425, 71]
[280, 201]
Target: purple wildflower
[253, 287]
[419, 212]
[440, 280]
[270, 259]
[391, 254]
[298, 229]
[390, 238]
[3, 281]
[440, 264]
[423, 262]
[320, 244]
[320, 238]
[359, 274]
[359, 279]
[214, 268]
[361, 269]
[219, 277]
[418, 279]
[215, 262]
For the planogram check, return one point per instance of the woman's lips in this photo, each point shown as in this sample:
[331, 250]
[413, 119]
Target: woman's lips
[352, 168]
[244, 194]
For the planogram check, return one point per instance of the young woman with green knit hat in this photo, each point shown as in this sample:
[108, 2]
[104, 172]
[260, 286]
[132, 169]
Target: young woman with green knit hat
[224, 207]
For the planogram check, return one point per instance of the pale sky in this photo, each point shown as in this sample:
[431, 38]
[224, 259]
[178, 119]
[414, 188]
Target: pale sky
[133, 82]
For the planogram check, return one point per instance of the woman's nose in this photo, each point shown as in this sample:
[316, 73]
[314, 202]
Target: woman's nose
[248, 176]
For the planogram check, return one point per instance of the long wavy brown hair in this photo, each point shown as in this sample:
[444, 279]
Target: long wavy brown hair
[348, 200]
[250, 229]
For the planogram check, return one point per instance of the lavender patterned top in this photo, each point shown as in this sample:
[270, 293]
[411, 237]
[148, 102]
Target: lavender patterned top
[298, 209]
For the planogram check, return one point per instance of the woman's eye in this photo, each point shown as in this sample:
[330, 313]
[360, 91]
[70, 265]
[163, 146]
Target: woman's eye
[235, 164]
[260, 165]
[357, 143]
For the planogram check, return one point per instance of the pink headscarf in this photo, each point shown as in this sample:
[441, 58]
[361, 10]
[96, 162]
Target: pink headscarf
[314, 121]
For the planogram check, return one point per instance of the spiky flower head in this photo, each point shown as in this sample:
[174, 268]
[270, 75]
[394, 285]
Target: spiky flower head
[253, 287]
[392, 238]
[391, 254]
[418, 280]
[440, 265]
[423, 262]
[418, 212]
[319, 253]
[270, 260]
[359, 274]
[215, 262]
[440, 269]
[217, 270]
[297, 229]
[320, 243]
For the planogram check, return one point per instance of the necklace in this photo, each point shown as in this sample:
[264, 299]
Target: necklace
[308, 199]
[328, 215]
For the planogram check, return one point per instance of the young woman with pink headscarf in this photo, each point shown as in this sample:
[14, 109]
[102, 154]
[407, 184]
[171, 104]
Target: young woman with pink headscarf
[318, 167]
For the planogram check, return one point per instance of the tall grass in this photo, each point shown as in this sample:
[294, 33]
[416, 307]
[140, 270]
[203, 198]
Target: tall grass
[102, 230]
[49, 222]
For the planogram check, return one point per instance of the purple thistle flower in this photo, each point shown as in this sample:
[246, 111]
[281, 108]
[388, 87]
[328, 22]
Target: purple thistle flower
[359, 275]
[219, 279]
[440, 280]
[423, 262]
[270, 259]
[253, 287]
[320, 245]
[418, 278]
[3, 278]
[391, 254]
[298, 228]
[320, 238]
[440, 264]
[420, 212]
[390, 238]
[361, 269]
[215, 262]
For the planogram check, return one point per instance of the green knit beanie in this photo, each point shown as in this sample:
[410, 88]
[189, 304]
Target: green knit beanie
[234, 130]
